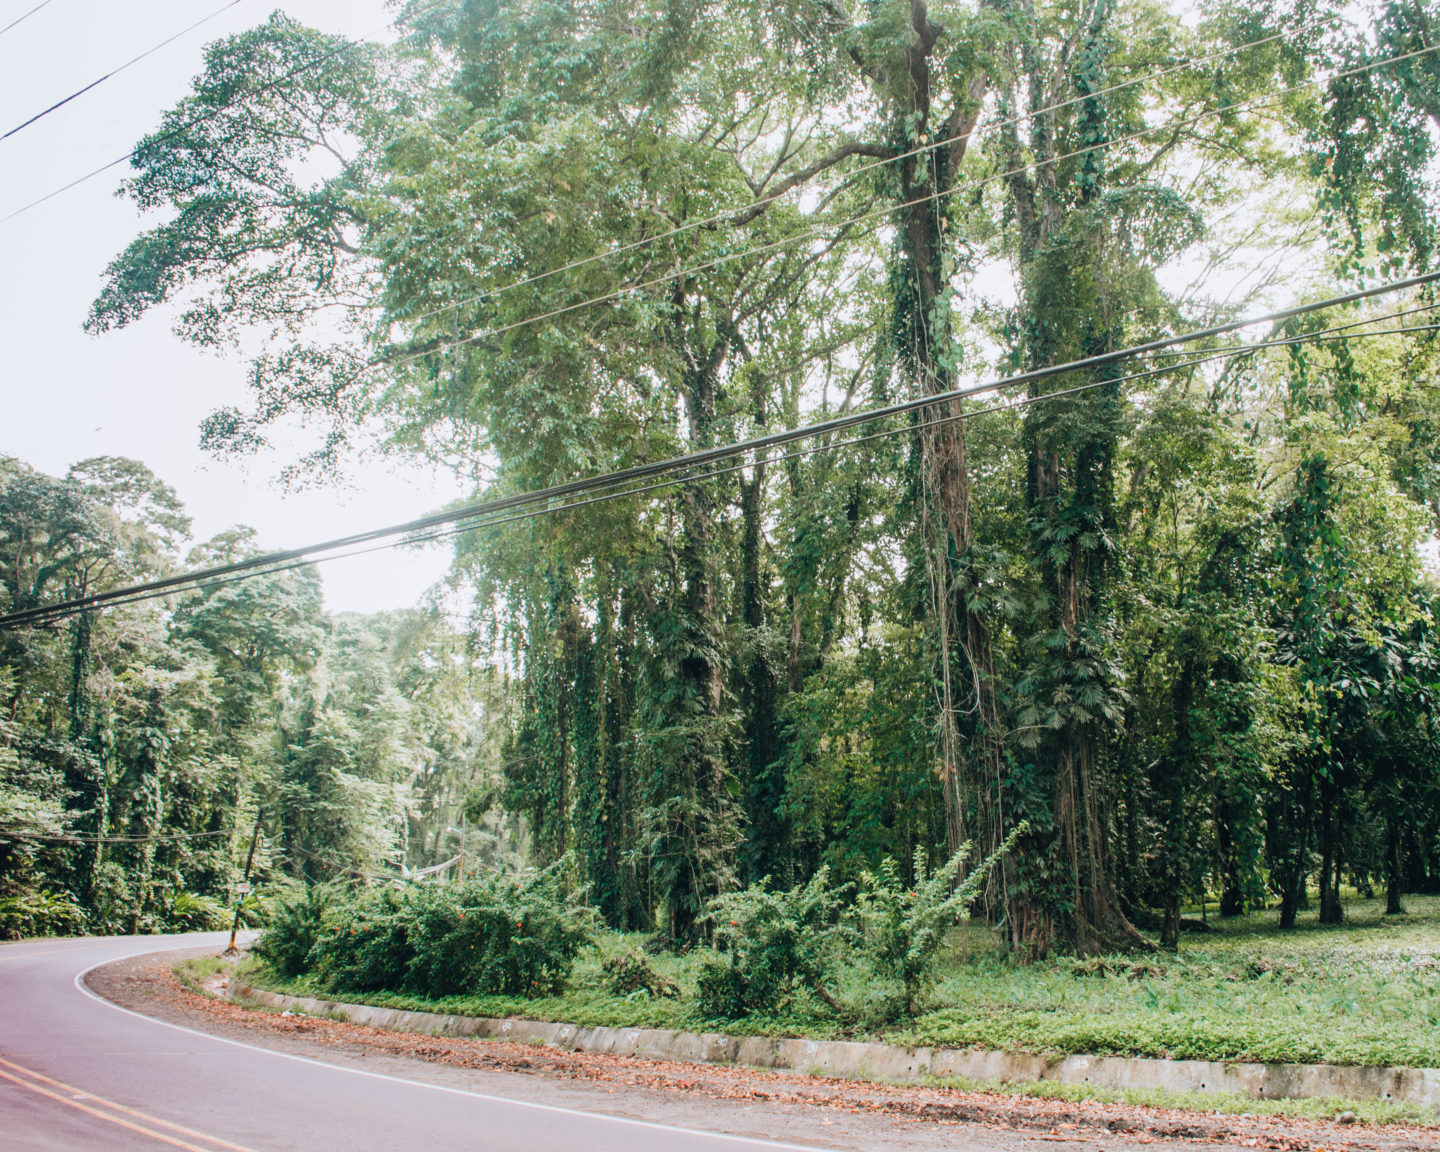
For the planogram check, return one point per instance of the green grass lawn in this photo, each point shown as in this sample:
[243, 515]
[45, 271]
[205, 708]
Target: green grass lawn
[1365, 992]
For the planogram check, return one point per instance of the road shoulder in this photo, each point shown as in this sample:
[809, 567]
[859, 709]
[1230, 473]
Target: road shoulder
[763, 1104]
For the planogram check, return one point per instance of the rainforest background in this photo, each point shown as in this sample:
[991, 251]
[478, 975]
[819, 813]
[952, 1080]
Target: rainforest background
[1174, 614]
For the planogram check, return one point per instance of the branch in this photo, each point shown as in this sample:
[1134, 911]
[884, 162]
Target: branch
[835, 156]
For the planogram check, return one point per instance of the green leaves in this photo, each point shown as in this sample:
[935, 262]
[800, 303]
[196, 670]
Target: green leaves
[773, 944]
[905, 923]
[512, 935]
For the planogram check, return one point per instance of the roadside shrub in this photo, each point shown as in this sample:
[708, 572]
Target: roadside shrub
[498, 935]
[191, 912]
[294, 922]
[905, 924]
[364, 944]
[39, 914]
[630, 973]
[770, 943]
[493, 935]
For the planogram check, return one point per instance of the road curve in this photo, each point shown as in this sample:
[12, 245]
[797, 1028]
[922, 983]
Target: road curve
[79, 1073]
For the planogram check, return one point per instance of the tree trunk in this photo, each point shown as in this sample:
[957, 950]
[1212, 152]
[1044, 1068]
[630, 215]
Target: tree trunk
[1232, 894]
[1176, 770]
[700, 827]
[764, 783]
[1292, 897]
[924, 343]
[1069, 497]
[1170, 927]
[1393, 872]
[1331, 910]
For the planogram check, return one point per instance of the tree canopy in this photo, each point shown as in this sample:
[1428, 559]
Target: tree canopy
[1171, 613]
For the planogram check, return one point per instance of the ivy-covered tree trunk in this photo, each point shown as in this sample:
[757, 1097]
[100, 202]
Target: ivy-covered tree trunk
[1304, 811]
[1176, 771]
[1068, 897]
[764, 852]
[692, 813]
[970, 749]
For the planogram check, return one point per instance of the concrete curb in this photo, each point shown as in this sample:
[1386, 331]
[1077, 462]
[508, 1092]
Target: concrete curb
[888, 1063]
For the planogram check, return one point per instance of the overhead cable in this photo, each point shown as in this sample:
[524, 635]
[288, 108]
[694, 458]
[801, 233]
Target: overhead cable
[116, 71]
[764, 202]
[821, 231]
[21, 19]
[205, 116]
[1195, 360]
[369, 35]
[698, 458]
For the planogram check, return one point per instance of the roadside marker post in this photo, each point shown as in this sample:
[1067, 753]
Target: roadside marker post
[242, 889]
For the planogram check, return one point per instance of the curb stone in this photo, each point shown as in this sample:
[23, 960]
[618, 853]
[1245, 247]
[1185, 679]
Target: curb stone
[888, 1063]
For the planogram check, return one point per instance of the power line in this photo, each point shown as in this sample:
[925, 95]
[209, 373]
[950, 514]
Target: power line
[369, 35]
[1231, 352]
[814, 233]
[116, 71]
[210, 114]
[820, 231]
[481, 523]
[21, 19]
[68, 838]
[295, 558]
[691, 460]
[811, 234]
[764, 202]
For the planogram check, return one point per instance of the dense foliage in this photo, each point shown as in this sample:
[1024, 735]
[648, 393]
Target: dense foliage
[139, 747]
[293, 926]
[1172, 614]
[505, 935]
[1361, 993]
[771, 944]
[906, 921]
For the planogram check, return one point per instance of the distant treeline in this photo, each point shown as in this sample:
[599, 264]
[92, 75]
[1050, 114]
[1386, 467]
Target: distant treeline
[138, 746]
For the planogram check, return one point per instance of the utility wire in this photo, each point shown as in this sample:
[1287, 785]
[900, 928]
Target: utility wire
[205, 116]
[764, 202]
[21, 19]
[302, 556]
[820, 231]
[116, 71]
[295, 558]
[67, 838]
[369, 35]
[1231, 352]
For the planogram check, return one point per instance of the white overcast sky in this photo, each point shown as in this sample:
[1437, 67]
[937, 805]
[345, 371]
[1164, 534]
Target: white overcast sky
[141, 392]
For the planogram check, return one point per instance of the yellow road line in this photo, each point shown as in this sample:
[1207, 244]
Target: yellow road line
[214, 1141]
[50, 952]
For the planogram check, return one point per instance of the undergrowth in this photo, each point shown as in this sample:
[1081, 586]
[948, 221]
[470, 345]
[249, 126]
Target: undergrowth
[195, 970]
[1365, 993]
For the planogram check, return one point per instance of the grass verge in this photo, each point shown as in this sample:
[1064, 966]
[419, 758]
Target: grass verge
[1366, 992]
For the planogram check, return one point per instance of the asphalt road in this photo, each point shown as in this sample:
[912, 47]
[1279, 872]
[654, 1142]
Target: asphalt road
[79, 1073]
